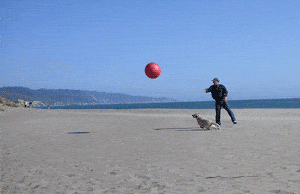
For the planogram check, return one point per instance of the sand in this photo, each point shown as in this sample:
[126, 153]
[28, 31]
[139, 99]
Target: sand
[149, 151]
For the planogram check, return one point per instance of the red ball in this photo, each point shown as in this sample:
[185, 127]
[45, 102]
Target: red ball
[153, 70]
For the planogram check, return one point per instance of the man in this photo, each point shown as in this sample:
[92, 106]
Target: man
[219, 94]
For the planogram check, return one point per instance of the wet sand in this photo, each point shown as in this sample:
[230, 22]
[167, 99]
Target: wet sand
[149, 151]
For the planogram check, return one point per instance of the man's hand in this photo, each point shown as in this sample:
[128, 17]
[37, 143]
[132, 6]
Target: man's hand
[203, 90]
[225, 99]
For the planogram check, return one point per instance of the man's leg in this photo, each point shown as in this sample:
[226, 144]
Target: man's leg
[225, 106]
[218, 112]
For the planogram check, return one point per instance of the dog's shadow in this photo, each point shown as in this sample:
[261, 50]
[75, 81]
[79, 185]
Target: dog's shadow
[184, 129]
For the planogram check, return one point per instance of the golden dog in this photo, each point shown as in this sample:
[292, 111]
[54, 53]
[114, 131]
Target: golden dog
[205, 123]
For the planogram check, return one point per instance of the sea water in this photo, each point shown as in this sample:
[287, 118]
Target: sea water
[235, 104]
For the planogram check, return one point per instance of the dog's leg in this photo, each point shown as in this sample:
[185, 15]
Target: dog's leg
[209, 127]
[215, 126]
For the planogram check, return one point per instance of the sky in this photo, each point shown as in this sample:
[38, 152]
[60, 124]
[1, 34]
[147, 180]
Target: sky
[252, 46]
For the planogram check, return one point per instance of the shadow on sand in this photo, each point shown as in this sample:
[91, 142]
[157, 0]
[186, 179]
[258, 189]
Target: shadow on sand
[184, 129]
[80, 132]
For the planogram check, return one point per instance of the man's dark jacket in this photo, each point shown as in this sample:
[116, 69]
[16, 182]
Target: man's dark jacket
[218, 92]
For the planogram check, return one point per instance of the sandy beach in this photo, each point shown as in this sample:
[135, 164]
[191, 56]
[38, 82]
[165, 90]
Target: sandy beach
[149, 151]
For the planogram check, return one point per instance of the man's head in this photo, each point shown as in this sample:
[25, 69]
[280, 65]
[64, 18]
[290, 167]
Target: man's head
[215, 81]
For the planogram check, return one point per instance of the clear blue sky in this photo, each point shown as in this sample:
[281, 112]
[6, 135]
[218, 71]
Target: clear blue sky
[252, 46]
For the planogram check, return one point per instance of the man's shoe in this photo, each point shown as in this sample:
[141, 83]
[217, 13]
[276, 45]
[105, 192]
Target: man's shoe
[234, 122]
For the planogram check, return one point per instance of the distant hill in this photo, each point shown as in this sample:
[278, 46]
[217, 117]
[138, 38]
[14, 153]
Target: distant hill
[66, 97]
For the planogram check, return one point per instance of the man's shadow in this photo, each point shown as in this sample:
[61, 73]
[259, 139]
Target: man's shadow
[184, 129]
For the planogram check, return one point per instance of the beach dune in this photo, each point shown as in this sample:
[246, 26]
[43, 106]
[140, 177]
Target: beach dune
[149, 151]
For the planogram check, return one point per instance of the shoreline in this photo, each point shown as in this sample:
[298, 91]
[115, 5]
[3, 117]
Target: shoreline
[236, 104]
[149, 151]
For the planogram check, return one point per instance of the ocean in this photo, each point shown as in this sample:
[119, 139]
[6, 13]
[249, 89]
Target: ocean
[234, 104]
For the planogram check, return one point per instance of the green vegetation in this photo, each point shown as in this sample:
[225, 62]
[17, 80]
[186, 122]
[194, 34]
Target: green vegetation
[8, 102]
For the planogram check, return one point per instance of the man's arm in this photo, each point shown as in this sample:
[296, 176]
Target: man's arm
[207, 90]
[225, 92]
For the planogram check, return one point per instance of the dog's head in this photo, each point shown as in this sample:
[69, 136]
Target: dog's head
[197, 115]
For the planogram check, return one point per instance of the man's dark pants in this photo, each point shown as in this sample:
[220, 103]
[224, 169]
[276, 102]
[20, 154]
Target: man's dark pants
[219, 105]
